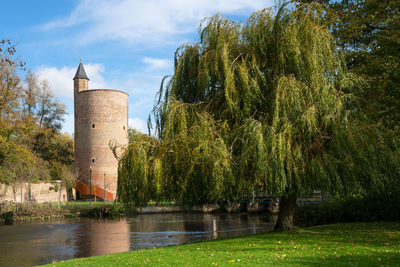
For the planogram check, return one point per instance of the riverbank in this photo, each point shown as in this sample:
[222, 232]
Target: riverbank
[344, 244]
[27, 212]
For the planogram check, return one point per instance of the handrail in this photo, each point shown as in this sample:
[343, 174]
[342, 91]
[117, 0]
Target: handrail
[96, 190]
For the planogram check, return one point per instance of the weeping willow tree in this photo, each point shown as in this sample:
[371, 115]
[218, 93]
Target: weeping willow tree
[265, 106]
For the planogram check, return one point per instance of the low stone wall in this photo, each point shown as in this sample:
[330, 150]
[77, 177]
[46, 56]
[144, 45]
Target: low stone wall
[161, 209]
[33, 192]
[207, 208]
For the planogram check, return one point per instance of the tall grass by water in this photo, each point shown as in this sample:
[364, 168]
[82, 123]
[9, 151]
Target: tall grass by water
[56, 210]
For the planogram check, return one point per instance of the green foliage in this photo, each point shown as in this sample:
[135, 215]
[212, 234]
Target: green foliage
[371, 208]
[267, 106]
[368, 31]
[137, 192]
[18, 166]
[103, 212]
[31, 146]
[7, 217]
[29, 212]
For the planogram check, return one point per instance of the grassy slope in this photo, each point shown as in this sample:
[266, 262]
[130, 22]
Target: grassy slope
[350, 244]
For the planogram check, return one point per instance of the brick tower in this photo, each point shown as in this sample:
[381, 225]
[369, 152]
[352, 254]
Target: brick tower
[100, 116]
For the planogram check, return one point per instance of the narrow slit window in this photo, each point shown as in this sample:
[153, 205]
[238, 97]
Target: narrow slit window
[93, 126]
[92, 160]
[124, 127]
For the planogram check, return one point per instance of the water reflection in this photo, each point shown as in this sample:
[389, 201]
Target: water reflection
[39, 243]
[157, 230]
[99, 237]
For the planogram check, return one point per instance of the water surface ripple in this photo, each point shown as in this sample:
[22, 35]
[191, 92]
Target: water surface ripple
[28, 244]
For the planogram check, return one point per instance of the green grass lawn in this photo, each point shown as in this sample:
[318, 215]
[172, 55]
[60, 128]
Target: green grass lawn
[347, 244]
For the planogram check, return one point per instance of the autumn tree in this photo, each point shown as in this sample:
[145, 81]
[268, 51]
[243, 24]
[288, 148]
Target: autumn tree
[10, 88]
[268, 106]
[40, 103]
[31, 145]
[50, 111]
[18, 168]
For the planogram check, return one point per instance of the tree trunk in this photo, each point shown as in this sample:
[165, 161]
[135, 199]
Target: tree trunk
[59, 195]
[22, 200]
[14, 191]
[287, 205]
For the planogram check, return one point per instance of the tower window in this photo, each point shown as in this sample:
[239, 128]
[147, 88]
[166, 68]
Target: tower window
[124, 127]
[93, 126]
[92, 160]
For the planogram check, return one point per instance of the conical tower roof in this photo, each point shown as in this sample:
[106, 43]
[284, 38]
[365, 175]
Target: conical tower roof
[80, 72]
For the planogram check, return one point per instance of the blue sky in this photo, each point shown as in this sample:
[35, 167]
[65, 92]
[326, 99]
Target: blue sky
[126, 45]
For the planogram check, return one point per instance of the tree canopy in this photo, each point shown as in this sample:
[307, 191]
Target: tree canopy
[368, 32]
[31, 145]
[266, 106]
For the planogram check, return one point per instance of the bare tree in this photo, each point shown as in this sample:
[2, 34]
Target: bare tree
[50, 111]
[31, 93]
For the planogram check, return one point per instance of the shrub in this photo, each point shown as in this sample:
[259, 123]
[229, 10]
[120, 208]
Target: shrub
[382, 207]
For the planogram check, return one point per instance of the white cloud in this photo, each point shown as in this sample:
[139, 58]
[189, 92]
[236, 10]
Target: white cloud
[157, 63]
[154, 21]
[138, 124]
[60, 79]
[134, 24]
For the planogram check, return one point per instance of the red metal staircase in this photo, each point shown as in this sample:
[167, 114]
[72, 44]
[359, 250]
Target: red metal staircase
[83, 188]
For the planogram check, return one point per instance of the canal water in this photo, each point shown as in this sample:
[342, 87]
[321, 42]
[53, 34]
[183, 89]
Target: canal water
[28, 244]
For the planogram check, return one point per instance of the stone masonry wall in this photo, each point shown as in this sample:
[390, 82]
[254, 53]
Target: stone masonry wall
[102, 116]
[39, 193]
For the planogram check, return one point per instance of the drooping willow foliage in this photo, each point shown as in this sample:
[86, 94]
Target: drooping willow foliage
[265, 106]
